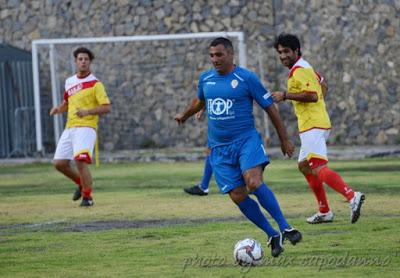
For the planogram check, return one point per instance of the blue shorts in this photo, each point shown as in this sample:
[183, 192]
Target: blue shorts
[229, 162]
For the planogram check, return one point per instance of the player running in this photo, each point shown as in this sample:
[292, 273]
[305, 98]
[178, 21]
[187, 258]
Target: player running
[305, 92]
[238, 157]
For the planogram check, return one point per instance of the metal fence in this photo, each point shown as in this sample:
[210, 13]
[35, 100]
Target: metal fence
[17, 134]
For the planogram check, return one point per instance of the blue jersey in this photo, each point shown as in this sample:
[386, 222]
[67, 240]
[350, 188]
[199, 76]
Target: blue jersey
[229, 101]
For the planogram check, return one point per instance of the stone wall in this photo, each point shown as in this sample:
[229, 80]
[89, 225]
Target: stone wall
[353, 43]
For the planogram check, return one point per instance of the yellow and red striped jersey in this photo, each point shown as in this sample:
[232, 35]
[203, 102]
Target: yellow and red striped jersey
[84, 93]
[303, 78]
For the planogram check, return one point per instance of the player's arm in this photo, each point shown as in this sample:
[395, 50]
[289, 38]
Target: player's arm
[63, 107]
[103, 102]
[287, 146]
[99, 110]
[305, 96]
[304, 80]
[193, 108]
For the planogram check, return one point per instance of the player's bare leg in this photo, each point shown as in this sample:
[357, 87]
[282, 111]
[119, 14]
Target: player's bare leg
[64, 166]
[86, 181]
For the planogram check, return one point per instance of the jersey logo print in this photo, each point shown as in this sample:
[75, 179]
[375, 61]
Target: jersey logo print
[234, 83]
[80, 86]
[267, 95]
[219, 106]
[74, 89]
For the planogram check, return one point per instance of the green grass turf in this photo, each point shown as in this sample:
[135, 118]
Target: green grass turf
[44, 234]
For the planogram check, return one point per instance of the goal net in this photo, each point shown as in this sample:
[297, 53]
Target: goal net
[148, 79]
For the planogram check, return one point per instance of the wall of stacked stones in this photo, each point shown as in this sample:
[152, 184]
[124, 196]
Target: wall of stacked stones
[353, 43]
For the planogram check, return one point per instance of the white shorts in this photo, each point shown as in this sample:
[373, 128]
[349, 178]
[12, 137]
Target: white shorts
[76, 143]
[313, 144]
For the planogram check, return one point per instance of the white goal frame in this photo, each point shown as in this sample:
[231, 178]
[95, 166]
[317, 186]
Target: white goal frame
[51, 42]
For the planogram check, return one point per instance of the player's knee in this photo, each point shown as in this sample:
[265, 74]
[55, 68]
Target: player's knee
[238, 195]
[305, 169]
[253, 182]
[80, 165]
[60, 165]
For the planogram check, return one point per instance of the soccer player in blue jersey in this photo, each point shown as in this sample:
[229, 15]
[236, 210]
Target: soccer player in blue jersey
[238, 157]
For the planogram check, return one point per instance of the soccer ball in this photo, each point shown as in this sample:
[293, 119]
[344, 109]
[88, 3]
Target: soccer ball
[248, 252]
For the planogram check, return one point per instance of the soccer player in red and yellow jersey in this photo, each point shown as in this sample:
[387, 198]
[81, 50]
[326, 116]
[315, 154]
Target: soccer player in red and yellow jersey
[85, 99]
[306, 90]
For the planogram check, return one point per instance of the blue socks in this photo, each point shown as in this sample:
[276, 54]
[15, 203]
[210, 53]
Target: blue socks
[205, 181]
[251, 210]
[267, 200]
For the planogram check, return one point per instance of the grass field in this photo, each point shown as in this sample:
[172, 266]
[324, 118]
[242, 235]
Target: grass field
[143, 225]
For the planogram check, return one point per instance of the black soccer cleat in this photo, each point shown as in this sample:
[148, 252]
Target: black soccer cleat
[293, 235]
[276, 244]
[195, 190]
[77, 195]
[87, 202]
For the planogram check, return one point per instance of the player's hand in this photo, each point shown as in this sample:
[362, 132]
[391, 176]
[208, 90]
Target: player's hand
[82, 113]
[54, 111]
[200, 114]
[287, 148]
[180, 118]
[278, 96]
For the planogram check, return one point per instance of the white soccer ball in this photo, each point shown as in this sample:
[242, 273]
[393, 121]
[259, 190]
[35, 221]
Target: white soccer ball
[248, 252]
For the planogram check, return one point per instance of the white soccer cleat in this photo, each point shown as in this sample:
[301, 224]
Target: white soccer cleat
[355, 206]
[320, 218]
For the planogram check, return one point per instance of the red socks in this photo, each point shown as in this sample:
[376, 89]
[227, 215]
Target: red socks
[78, 183]
[335, 181]
[86, 192]
[318, 188]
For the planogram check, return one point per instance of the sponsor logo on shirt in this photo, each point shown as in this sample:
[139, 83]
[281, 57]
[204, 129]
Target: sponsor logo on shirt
[73, 90]
[219, 106]
[210, 83]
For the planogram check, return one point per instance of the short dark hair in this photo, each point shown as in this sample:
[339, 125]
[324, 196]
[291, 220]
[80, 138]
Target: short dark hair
[83, 50]
[224, 41]
[288, 40]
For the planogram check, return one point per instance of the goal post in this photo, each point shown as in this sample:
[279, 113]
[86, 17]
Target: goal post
[55, 83]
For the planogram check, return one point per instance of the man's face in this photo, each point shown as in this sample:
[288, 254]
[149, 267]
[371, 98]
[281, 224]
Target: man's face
[287, 56]
[82, 62]
[221, 58]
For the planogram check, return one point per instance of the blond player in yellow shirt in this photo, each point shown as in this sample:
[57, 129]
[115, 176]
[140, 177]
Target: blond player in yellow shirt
[85, 99]
[307, 96]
